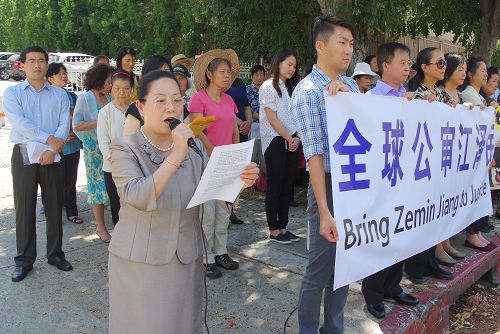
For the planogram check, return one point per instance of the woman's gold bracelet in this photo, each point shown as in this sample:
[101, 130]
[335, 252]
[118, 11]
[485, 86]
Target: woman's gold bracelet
[172, 163]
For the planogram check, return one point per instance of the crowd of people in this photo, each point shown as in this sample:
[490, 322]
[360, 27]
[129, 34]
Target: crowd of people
[140, 165]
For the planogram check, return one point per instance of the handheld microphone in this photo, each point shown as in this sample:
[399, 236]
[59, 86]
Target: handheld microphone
[173, 124]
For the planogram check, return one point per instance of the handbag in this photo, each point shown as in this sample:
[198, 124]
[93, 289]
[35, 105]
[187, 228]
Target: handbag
[261, 183]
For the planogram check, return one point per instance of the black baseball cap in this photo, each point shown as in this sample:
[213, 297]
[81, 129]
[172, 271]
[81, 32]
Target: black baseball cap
[181, 69]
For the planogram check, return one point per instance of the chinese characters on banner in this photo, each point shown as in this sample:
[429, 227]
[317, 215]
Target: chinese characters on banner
[406, 175]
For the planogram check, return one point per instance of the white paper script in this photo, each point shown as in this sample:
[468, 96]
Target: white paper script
[221, 178]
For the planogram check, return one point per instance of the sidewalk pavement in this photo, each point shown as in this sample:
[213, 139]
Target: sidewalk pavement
[257, 298]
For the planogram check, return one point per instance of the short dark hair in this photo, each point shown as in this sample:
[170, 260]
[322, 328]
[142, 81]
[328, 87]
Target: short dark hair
[257, 68]
[324, 26]
[33, 48]
[55, 68]
[492, 70]
[154, 62]
[99, 57]
[96, 76]
[369, 58]
[124, 50]
[386, 52]
[148, 79]
[453, 60]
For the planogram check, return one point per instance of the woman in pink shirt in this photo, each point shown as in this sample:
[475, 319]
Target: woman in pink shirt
[214, 73]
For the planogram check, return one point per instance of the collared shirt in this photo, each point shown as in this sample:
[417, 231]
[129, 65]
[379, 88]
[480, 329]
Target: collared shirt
[269, 98]
[36, 115]
[253, 97]
[308, 106]
[471, 95]
[381, 88]
[110, 122]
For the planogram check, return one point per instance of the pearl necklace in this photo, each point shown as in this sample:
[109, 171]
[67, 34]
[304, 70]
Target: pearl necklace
[158, 148]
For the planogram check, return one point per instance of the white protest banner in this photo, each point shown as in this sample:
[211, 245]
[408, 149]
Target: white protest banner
[406, 175]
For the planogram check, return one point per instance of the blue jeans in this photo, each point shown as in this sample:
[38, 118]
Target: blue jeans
[319, 277]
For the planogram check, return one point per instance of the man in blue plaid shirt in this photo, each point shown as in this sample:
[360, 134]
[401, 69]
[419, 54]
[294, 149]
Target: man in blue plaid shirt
[333, 40]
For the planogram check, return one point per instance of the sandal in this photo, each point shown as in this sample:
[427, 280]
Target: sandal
[75, 220]
[105, 240]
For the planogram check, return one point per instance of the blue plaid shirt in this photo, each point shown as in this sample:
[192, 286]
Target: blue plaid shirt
[308, 107]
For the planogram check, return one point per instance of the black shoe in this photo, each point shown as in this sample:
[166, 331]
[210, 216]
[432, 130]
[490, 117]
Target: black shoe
[280, 238]
[60, 262]
[20, 273]
[293, 204]
[416, 279]
[291, 236]
[212, 271]
[405, 298]
[377, 310]
[226, 262]
[441, 274]
[234, 219]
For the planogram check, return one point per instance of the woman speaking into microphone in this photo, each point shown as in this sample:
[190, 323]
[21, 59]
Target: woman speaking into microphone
[155, 257]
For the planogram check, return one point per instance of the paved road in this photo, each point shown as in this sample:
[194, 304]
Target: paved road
[255, 299]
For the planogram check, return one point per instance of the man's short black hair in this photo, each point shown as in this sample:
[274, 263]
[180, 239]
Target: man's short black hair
[33, 48]
[386, 52]
[324, 26]
[257, 68]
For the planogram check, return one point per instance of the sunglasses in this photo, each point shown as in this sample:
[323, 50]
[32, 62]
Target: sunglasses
[441, 63]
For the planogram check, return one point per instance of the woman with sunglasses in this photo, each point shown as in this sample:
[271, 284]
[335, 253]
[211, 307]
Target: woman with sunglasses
[155, 258]
[431, 67]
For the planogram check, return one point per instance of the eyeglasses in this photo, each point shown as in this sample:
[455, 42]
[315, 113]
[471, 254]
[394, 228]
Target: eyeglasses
[163, 103]
[441, 63]
[36, 61]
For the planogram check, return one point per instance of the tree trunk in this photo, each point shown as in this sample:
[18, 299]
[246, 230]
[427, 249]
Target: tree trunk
[487, 37]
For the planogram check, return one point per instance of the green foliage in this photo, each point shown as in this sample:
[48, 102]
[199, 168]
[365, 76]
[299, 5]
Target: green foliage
[495, 60]
[255, 29]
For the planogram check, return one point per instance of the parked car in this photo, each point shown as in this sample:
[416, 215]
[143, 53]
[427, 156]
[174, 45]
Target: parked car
[14, 68]
[4, 56]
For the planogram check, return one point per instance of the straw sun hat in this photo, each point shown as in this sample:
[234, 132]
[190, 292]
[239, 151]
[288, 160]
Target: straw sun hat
[201, 64]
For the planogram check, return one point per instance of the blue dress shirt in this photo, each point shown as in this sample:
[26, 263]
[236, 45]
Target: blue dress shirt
[308, 106]
[36, 115]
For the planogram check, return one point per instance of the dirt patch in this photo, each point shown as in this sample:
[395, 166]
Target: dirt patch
[477, 311]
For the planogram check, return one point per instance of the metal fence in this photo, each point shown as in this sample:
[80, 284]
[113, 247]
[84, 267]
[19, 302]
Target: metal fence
[78, 66]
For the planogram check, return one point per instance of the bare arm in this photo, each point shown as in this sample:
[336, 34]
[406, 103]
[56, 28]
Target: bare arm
[236, 133]
[272, 117]
[85, 126]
